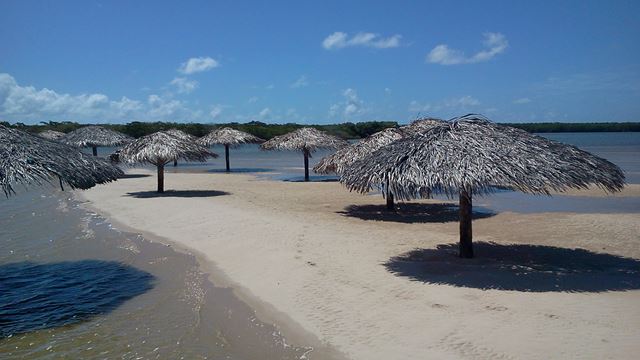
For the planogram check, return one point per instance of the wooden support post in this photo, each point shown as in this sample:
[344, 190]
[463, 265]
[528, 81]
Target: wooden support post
[306, 165]
[175, 162]
[466, 237]
[160, 178]
[390, 205]
[226, 156]
[95, 150]
[389, 197]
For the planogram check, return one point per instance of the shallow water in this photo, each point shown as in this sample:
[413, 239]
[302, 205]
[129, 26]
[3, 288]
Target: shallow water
[622, 148]
[72, 286]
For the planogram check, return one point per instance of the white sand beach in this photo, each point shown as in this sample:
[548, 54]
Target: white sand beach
[294, 253]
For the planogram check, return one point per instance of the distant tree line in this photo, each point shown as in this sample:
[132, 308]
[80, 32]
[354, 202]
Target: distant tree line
[346, 130]
[548, 127]
[266, 131]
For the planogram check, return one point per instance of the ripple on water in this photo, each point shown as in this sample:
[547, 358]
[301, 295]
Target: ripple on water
[40, 296]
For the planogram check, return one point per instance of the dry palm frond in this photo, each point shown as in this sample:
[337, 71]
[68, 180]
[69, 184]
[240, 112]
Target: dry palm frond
[304, 139]
[94, 136]
[420, 125]
[339, 160]
[474, 155]
[182, 134]
[51, 134]
[228, 136]
[28, 159]
[162, 147]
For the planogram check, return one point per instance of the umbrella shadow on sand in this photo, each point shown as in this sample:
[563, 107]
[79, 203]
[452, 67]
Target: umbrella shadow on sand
[177, 193]
[412, 213]
[133, 176]
[528, 268]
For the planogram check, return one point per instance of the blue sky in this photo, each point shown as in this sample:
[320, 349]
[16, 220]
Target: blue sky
[318, 62]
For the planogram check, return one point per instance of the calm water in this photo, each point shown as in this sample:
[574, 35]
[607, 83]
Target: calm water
[72, 286]
[623, 149]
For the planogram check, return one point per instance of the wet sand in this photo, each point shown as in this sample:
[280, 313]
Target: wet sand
[371, 285]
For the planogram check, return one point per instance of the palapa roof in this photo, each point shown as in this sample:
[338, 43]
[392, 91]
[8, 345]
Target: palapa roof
[162, 147]
[182, 134]
[88, 136]
[306, 138]
[420, 125]
[229, 136]
[474, 154]
[51, 134]
[339, 160]
[28, 159]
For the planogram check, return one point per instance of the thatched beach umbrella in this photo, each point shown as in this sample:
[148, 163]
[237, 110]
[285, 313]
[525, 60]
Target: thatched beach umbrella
[159, 149]
[307, 140]
[341, 159]
[94, 136]
[229, 138]
[51, 134]
[28, 159]
[183, 135]
[471, 156]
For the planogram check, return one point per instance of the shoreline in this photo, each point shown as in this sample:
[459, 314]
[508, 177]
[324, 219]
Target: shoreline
[293, 332]
[338, 308]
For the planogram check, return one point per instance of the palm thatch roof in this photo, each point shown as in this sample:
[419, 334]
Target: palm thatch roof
[51, 134]
[339, 160]
[28, 159]
[304, 139]
[162, 147]
[182, 134]
[230, 137]
[421, 125]
[93, 136]
[474, 155]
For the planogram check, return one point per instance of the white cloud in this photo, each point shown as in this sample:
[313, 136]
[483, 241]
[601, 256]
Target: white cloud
[339, 40]
[351, 107]
[264, 114]
[184, 85]
[270, 87]
[198, 64]
[300, 82]
[494, 43]
[522, 101]
[26, 103]
[387, 91]
[167, 109]
[216, 111]
[252, 100]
